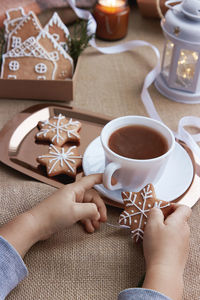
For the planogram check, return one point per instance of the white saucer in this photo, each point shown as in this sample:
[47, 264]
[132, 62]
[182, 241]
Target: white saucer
[174, 182]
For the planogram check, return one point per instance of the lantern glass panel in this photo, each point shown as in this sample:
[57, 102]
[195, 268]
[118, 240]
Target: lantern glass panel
[167, 59]
[186, 68]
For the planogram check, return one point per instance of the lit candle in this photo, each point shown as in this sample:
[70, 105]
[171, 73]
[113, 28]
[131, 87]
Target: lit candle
[112, 19]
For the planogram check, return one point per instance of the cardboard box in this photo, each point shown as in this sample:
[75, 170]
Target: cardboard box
[56, 90]
[148, 8]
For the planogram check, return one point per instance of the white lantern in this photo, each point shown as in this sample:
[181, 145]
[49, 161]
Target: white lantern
[179, 79]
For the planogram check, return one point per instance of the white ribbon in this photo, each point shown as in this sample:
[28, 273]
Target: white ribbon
[182, 134]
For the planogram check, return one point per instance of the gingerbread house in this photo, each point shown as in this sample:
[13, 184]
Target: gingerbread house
[57, 29]
[13, 17]
[29, 26]
[58, 54]
[28, 61]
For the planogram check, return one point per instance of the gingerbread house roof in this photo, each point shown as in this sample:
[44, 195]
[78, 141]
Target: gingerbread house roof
[55, 45]
[56, 20]
[14, 13]
[13, 17]
[29, 47]
[31, 17]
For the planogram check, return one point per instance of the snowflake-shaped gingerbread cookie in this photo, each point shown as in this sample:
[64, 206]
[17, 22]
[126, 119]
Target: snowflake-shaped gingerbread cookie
[137, 208]
[59, 130]
[59, 160]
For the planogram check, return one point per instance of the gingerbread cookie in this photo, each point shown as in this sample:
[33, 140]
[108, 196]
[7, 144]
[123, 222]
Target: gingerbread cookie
[13, 17]
[57, 29]
[59, 160]
[64, 62]
[29, 60]
[28, 27]
[59, 130]
[137, 208]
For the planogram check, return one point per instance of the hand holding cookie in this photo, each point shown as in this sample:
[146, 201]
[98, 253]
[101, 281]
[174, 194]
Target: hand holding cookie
[174, 231]
[166, 245]
[137, 208]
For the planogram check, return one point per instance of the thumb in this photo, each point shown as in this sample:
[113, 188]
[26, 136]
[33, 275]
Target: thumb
[155, 216]
[86, 211]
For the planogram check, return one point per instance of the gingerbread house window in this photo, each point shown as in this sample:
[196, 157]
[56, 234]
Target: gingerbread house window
[13, 65]
[41, 77]
[64, 45]
[40, 68]
[54, 55]
[12, 77]
[16, 41]
[56, 36]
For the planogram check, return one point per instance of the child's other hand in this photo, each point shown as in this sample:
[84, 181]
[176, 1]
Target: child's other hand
[75, 202]
[167, 241]
[166, 246]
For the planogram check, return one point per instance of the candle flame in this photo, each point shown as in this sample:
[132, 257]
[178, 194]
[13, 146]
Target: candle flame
[112, 3]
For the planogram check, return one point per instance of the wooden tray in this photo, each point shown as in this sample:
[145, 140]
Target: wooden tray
[19, 150]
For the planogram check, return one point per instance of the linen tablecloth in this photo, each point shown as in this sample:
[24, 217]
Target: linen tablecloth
[72, 264]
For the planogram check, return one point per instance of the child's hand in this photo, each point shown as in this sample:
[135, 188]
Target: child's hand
[166, 245]
[167, 242]
[75, 202]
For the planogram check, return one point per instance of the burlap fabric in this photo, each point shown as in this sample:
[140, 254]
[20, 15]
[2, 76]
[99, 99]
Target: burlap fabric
[74, 265]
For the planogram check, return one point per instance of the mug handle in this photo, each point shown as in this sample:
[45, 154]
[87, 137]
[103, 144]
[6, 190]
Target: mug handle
[107, 176]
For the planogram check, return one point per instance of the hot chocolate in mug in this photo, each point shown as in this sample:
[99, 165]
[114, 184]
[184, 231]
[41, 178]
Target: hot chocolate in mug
[137, 150]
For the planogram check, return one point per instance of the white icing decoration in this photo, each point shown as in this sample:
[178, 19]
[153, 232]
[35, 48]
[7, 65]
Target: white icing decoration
[16, 41]
[41, 77]
[40, 68]
[56, 36]
[32, 48]
[64, 45]
[29, 47]
[61, 157]
[149, 205]
[15, 32]
[13, 65]
[125, 217]
[54, 55]
[44, 34]
[12, 77]
[14, 9]
[13, 23]
[58, 127]
[56, 20]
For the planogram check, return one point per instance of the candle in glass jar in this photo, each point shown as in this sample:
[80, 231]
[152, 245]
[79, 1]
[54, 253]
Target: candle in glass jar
[112, 19]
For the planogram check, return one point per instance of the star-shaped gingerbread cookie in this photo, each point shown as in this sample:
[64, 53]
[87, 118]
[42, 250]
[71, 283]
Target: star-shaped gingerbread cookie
[59, 160]
[59, 130]
[137, 208]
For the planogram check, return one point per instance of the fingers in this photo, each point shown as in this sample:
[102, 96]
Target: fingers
[87, 182]
[90, 226]
[181, 213]
[93, 196]
[86, 211]
[155, 216]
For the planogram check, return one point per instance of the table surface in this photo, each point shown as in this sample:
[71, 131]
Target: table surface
[73, 264]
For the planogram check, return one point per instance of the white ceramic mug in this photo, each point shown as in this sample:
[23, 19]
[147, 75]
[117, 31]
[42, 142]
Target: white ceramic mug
[134, 174]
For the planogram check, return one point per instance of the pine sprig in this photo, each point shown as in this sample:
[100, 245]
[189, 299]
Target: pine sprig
[2, 44]
[78, 40]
